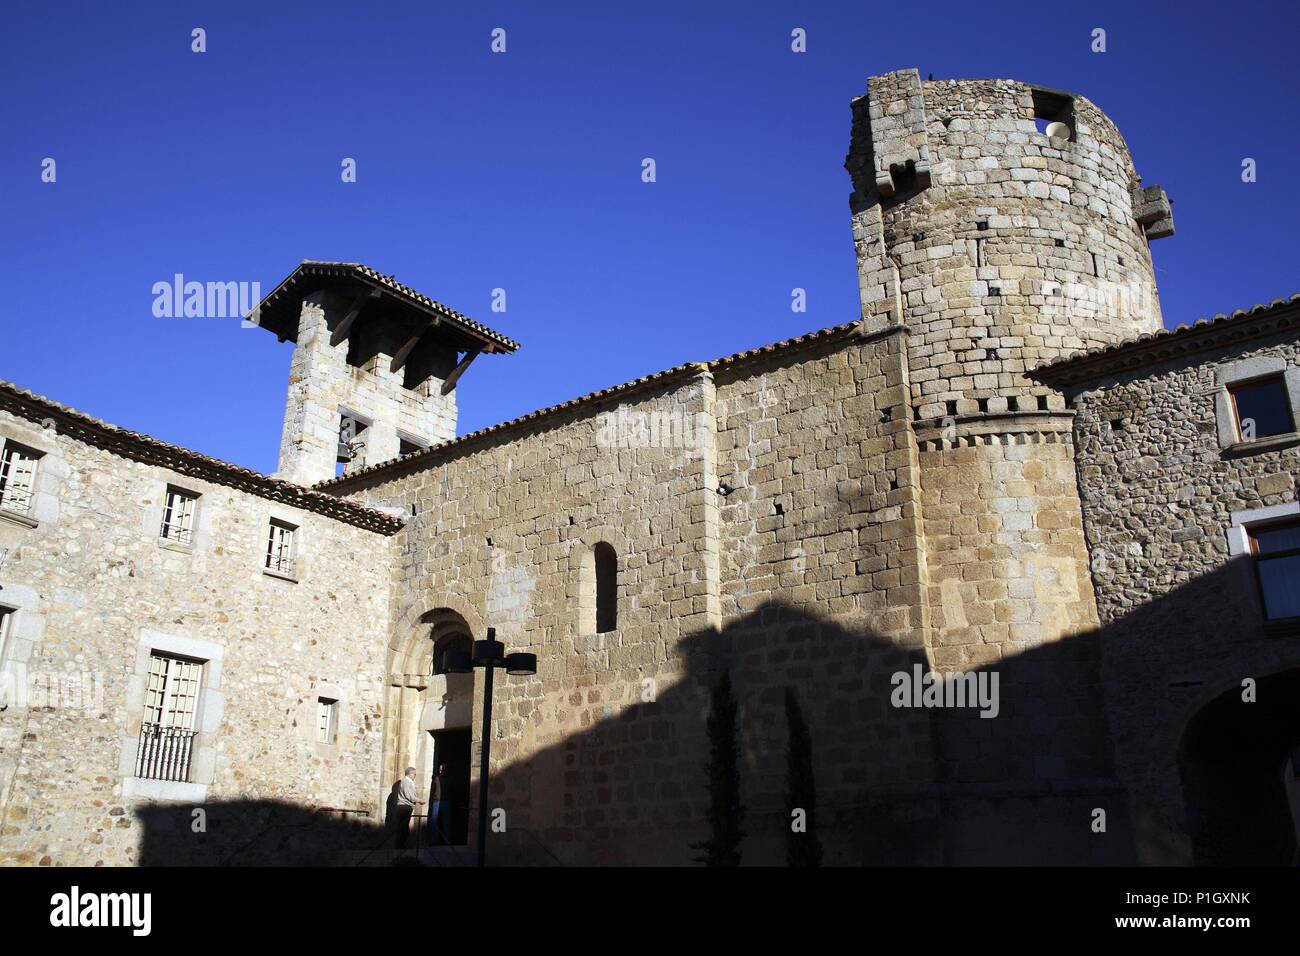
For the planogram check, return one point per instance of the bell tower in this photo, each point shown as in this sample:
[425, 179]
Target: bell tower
[374, 369]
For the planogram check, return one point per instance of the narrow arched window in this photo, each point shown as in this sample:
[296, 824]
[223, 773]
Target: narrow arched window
[606, 561]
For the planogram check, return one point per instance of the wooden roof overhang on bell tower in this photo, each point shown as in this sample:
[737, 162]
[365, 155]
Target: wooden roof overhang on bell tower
[410, 325]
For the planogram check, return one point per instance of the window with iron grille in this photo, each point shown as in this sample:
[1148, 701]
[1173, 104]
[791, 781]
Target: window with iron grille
[280, 547]
[178, 516]
[17, 477]
[167, 732]
[327, 720]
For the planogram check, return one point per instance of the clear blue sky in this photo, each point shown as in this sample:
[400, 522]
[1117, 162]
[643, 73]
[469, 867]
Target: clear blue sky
[522, 171]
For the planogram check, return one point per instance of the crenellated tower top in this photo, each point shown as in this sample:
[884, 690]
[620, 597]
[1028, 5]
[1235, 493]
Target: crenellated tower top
[1004, 224]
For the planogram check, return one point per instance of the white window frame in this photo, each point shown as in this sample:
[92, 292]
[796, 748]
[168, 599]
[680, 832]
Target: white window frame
[180, 510]
[7, 615]
[281, 556]
[209, 715]
[327, 720]
[10, 489]
[173, 689]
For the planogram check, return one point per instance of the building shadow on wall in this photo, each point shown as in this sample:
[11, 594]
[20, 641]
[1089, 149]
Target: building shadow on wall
[1037, 784]
[1202, 755]
[258, 833]
[896, 785]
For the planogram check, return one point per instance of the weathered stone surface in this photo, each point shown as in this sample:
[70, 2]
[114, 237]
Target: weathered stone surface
[824, 515]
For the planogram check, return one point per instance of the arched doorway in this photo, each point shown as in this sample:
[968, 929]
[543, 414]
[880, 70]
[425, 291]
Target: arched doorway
[1238, 760]
[448, 719]
[428, 718]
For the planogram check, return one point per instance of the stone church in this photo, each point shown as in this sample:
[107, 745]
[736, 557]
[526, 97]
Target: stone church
[1004, 474]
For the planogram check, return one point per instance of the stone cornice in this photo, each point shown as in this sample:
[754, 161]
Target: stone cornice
[997, 428]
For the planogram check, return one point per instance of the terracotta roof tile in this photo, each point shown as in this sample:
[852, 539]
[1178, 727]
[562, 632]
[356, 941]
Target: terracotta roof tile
[357, 269]
[140, 447]
[1152, 347]
[411, 462]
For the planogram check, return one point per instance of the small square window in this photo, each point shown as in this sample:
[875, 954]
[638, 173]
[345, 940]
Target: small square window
[17, 477]
[327, 720]
[1276, 548]
[1054, 114]
[408, 446]
[1261, 408]
[178, 516]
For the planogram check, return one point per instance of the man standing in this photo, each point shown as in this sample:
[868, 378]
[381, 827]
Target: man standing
[438, 807]
[407, 799]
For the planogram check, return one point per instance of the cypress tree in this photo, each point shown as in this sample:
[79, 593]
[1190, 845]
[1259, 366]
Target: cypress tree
[726, 813]
[801, 848]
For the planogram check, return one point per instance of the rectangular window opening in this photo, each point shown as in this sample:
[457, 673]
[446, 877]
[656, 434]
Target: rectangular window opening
[17, 477]
[1052, 107]
[168, 730]
[408, 446]
[1261, 408]
[280, 547]
[352, 438]
[178, 516]
[327, 720]
[1276, 548]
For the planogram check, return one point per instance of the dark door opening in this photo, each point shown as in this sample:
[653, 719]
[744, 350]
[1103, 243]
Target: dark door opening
[451, 824]
[1233, 754]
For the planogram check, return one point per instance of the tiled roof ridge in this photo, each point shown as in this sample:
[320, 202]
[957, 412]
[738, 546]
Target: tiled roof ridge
[1151, 347]
[136, 445]
[374, 275]
[411, 462]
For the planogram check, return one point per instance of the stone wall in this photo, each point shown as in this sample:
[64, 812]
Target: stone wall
[601, 755]
[354, 376]
[1008, 566]
[1179, 604]
[1000, 247]
[95, 588]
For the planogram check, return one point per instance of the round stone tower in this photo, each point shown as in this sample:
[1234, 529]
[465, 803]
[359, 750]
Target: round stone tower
[998, 225]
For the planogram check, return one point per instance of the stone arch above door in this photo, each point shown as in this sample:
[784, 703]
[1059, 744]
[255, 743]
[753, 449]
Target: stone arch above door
[418, 700]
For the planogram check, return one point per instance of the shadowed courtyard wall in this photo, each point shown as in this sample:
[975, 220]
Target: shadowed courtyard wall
[1166, 489]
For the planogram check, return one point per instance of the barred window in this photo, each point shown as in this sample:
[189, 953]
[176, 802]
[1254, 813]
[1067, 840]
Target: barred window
[178, 516]
[327, 720]
[280, 547]
[17, 477]
[172, 694]
[167, 734]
